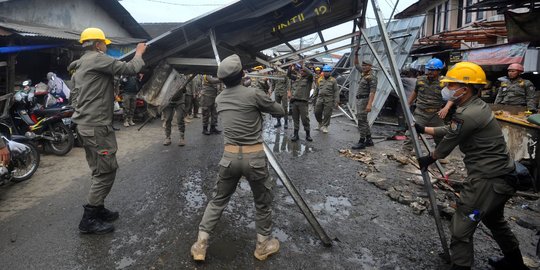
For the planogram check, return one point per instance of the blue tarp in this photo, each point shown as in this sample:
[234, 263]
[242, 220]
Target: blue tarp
[14, 49]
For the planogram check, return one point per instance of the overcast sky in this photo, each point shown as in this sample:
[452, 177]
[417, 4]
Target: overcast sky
[184, 10]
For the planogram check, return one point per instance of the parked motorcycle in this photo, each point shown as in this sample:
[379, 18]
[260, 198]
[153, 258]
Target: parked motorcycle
[24, 157]
[45, 126]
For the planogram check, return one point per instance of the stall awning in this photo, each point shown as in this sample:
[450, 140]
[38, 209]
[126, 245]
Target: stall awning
[15, 49]
[497, 55]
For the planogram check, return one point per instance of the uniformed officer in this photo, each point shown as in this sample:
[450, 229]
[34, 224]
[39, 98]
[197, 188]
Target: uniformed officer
[240, 109]
[260, 83]
[516, 90]
[176, 105]
[367, 86]
[93, 115]
[130, 87]
[280, 90]
[209, 93]
[485, 191]
[431, 109]
[302, 80]
[327, 94]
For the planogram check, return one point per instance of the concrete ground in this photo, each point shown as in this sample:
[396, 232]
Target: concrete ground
[161, 192]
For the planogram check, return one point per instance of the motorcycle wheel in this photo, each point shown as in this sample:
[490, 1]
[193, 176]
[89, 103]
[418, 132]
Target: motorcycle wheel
[62, 147]
[27, 167]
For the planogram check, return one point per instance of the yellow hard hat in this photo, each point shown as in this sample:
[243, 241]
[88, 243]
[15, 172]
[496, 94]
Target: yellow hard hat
[258, 68]
[465, 72]
[93, 34]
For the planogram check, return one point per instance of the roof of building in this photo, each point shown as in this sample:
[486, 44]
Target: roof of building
[121, 15]
[27, 29]
[157, 29]
[503, 5]
[415, 9]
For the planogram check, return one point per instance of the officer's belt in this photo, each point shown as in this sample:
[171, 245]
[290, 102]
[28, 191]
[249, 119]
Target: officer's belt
[430, 110]
[362, 96]
[244, 148]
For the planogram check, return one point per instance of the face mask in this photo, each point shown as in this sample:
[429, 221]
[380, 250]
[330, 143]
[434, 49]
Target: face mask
[448, 94]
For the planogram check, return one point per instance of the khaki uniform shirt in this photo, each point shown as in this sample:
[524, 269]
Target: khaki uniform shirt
[328, 88]
[366, 85]
[476, 130]
[301, 86]
[210, 86]
[261, 84]
[517, 92]
[281, 86]
[428, 93]
[240, 110]
[94, 77]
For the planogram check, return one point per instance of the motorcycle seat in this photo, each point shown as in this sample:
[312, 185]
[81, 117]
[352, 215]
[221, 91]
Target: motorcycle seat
[45, 112]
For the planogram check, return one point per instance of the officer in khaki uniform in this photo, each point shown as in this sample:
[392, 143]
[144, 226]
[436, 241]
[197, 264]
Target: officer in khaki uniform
[367, 86]
[209, 93]
[302, 80]
[177, 105]
[327, 94]
[429, 102]
[280, 90]
[516, 90]
[485, 192]
[93, 115]
[240, 109]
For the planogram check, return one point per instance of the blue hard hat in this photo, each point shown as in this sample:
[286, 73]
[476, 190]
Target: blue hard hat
[434, 63]
[326, 68]
[298, 65]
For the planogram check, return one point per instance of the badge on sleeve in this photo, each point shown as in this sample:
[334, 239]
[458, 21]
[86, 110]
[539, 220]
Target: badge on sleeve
[455, 124]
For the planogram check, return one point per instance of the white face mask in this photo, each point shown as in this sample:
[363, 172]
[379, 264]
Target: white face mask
[448, 94]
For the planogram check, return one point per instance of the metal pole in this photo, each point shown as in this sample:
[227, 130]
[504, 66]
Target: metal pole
[214, 46]
[296, 197]
[393, 85]
[409, 118]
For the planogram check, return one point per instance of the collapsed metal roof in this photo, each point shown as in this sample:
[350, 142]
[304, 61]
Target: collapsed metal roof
[246, 27]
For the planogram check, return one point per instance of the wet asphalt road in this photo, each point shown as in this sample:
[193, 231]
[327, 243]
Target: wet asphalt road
[161, 193]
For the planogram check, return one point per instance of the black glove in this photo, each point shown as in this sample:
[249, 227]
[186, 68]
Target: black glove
[419, 128]
[425, 161]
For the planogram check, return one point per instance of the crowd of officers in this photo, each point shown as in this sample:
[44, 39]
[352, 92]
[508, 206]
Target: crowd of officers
[473, 128]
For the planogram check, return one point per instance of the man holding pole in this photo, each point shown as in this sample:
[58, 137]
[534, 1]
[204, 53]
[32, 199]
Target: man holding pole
[486, 190]
[240, 109]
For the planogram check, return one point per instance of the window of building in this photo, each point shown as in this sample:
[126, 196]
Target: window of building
[460, 14]
[468, 15]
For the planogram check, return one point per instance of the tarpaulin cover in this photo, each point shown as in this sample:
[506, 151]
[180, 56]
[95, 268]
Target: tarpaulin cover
[523, 27]
[497, 55]
[14, 49]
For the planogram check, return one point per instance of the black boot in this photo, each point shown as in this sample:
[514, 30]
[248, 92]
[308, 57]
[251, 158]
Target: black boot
[278, 123]
[459, 267]
[308, 138]
[295, 138]
[510, 261]
[360, 145]
[205, 130]
[286, 124]
[106, 214]
[214, 130]
[91, 223]
[368, 142]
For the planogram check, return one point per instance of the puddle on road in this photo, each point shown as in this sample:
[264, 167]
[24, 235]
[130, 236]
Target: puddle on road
[334, 206]
[124, 263]
[280, 143]
[195, 198]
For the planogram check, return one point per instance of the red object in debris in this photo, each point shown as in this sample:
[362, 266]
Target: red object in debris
[398, 138]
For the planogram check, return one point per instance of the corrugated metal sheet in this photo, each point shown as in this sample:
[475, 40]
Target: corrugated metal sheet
[34, 30]
[403, 34]
[246, 27]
